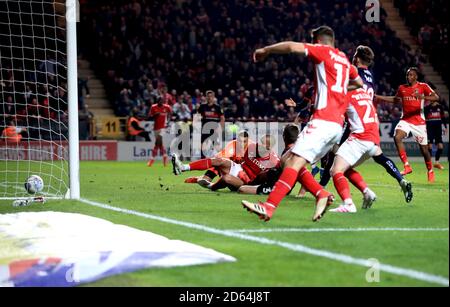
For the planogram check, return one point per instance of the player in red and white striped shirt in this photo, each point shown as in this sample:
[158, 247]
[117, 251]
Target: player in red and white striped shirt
[413, 96]
[333, 72]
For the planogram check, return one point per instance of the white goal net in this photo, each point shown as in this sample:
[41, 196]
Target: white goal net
[34, 97]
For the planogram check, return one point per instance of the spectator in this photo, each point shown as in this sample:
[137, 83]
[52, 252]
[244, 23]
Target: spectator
[12, 134]
[85, 118]
[203, 44]
[82, 85]
[181, 112]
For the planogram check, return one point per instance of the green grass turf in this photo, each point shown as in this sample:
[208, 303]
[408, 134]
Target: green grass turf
[156, 191]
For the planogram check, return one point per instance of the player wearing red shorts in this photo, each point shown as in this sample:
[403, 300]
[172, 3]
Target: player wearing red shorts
[413, 96]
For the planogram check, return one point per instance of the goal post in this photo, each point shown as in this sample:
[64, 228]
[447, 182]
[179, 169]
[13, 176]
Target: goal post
[72, 7]
[39, 97]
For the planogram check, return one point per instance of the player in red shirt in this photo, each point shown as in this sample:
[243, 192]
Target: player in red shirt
[363, 141]
[256, 159]
[413, 96]
[234, 151]
[160, 112]
[333, 73]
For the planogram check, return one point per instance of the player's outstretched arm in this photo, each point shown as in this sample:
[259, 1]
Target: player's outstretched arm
[432, 97]
[279, 48]
[355, 84]
[355, 81]
[390, 99]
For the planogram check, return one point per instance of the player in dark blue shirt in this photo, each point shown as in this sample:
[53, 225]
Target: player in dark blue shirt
[435, 115]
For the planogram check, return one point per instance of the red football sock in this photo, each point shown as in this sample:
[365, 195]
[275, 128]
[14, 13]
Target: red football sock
[342, 186]
[162, 150]
[429, 165]
[154, 151]
[356, 179]
[284, 184]
[200, 165]
[308, 182]
[403, 156]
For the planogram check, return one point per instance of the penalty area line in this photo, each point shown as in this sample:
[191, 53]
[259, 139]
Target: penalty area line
[413, 274]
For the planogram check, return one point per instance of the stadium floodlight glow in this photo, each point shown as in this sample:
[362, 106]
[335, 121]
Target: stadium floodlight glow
[39, 97]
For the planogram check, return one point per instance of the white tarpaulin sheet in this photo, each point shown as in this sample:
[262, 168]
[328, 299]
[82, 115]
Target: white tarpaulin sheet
[66, 249]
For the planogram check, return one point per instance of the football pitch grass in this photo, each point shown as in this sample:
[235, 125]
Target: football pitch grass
[410, 241]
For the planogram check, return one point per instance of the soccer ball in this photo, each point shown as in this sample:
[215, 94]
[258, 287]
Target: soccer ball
[34, 184]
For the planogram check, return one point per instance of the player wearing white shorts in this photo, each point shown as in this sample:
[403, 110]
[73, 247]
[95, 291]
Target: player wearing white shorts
[333, 72]
[363, 142]
[413, 96]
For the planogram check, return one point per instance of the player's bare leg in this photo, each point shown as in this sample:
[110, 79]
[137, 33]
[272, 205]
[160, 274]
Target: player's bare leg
[398, 138]
[162, 150]
[163, 153]
[195, 179]
[158, 146]
[429, 164]
[154, 154]
[227, 181]
[248, 189]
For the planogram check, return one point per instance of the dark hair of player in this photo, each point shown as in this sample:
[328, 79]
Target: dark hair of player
[323, 33]
[365, 55]
[290, 134]
[209, 92]
[414, 69]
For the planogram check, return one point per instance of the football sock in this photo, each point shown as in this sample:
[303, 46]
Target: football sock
[211, 173]
[326, 176]
[162, 150]
[429, 165]
[389, 166]
[283, 186]
[200, 165]
[308, 182]
[154, 152]
[342, 186]
[403, 157]
[438, 154]
[356, 179]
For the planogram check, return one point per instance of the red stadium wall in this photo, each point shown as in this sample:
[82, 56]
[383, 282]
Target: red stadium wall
[48, 150]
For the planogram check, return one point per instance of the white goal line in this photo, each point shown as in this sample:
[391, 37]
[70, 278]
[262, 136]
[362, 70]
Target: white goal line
[368, 229]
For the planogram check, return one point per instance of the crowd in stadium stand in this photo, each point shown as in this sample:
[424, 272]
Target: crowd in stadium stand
[40, 104]
[428, 21]
[192, 46]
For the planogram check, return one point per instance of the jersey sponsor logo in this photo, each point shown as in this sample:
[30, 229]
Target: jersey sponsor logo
[409, 98]
[258, 163]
